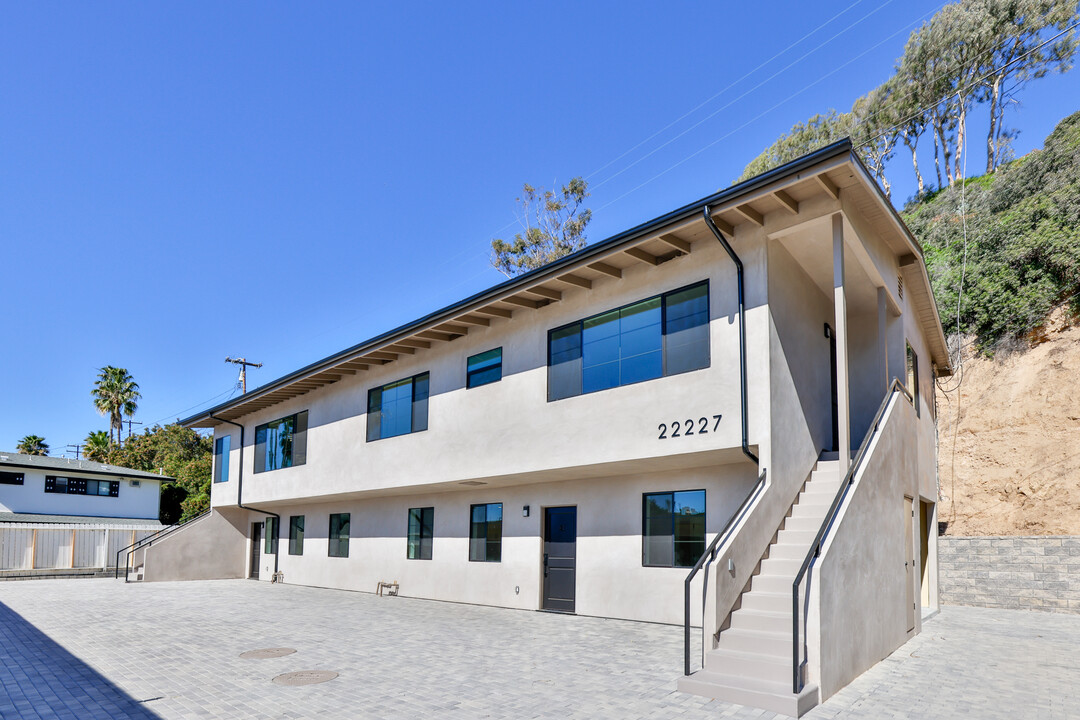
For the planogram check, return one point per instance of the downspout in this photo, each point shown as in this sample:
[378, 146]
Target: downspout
[742, 334]
[240, 486]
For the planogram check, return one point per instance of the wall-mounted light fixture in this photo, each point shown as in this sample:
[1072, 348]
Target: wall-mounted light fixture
[525, 511]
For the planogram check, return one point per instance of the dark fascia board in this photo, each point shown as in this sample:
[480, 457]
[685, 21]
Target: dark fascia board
[842, 147]
[76, 472]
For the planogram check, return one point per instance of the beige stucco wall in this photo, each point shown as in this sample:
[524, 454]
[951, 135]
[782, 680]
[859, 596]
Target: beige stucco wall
[211, 548]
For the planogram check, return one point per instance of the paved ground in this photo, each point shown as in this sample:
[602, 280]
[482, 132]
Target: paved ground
[87, 649]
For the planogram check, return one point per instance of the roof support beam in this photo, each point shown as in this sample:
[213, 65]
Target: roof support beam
[789, 203]
[545, 293]
[606, 269]
[410, 342]
[473, 320]
[382, 355]
[828, 185]
[751, 214]
[677, 243]
[432, 335]
[639, 254]
[523, 302]
[453, 329]
[497, 312]
[575, 280]
[401, 349]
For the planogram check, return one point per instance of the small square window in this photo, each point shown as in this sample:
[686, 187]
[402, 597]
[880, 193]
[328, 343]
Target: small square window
[484, 368]
[485, 533]
[673, 528]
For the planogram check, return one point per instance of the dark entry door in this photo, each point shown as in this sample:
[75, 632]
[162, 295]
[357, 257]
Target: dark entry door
[560, 552]
[256, 549]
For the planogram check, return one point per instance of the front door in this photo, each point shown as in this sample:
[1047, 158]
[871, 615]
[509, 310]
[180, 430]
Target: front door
[256, 549]
[560, 553]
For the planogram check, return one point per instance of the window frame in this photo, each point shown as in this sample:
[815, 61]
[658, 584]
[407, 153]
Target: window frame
[420, 547]
[296, 537]
[271, 530]
[297, 442]
[644, 516]
[486, 535]
[471, 373]
[413, 379]
[334, 544]
[11, 478]
[911, 366]
[80, 486]
[222, 448]
[664, 371]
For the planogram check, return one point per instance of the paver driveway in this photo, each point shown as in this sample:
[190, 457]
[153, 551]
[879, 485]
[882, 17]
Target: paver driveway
[101, 649]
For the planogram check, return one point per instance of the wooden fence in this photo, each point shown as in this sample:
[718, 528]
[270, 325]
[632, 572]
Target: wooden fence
[34, 546]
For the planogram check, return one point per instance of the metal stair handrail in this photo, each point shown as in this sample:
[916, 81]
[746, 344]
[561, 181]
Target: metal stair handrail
[150, 540]
[826, 525]
[706, 558]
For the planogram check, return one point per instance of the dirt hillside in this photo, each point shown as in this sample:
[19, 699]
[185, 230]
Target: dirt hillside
[1016, 466]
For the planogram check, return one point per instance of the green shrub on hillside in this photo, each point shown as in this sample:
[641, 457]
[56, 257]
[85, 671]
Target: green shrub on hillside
[1023, 241]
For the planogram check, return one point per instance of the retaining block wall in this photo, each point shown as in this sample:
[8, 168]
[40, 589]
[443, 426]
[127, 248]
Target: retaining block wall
[1026, 573]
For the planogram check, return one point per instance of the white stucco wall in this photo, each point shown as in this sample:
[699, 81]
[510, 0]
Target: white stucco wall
[30, 497]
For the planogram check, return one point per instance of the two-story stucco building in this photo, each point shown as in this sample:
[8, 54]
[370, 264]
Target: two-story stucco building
[574, 439]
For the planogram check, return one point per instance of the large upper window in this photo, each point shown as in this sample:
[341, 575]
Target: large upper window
[338, 545]
[399, 408]
[80, 486]
[296, 535]
[221, 458]
[11, 478]
[281, 443]
[673, 528]
[484, 368]
[663, 335]
[485, 533]
[421, 529]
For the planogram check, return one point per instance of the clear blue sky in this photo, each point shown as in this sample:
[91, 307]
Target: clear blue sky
[184, 181]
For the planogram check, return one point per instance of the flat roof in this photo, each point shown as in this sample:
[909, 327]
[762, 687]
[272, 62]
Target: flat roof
[81, 467]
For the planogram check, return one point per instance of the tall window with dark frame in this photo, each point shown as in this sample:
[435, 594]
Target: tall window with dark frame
[484, 368]
[11, 478]
[281, 443]
[485, 532]
[82, 486]
[421, 531]
[338, 537]
[913, 377]
[221, 458]
[270, 542]
[663, 335]
[672, 528]
[398, 408]
[296, 534]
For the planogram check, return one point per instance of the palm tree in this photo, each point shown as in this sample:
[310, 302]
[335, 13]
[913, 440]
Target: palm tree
[115, 393]
[33, 445]
[97, 446]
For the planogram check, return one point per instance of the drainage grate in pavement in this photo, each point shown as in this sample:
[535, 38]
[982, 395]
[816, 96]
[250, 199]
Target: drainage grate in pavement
[266, 653]
[305, 677]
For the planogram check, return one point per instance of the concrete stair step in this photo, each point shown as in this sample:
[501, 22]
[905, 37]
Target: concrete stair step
[772, 696]
[762, 620]
[788, 566]
[797, 537]
[772, 583]
[750, 665]
[810, 510]
[767, 601]
[756, 641]
[803, 524]
[787, 552]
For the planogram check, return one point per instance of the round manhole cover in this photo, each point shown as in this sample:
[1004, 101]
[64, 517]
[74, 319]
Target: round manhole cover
[266, 653]
[305, 677]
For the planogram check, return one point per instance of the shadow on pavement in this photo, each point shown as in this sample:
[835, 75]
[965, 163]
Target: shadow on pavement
[40, 679]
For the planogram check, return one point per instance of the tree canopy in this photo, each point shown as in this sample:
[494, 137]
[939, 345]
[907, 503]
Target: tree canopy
[180, 453]
[33, 445]
[115, 394]
[554, 223]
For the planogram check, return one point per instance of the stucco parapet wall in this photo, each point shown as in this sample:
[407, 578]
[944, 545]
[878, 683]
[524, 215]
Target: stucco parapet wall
[1023, 572]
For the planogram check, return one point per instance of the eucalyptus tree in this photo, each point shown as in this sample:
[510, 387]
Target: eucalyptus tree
[33, 445]
[873, 133]
[115, 394]
[804, 137]
[555, 223]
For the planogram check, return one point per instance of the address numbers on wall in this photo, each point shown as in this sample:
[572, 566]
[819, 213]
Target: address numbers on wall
[688, 427]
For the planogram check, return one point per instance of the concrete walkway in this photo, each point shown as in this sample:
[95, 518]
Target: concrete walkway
[102, 649]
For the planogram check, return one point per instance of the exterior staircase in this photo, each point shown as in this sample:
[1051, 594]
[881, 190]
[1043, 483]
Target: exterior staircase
[751, 664]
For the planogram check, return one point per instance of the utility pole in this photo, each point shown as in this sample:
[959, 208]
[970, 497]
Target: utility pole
[129, 424]
[77, 449]
[244, 365]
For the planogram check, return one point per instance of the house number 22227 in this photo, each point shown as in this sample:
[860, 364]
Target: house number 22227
[688, 427]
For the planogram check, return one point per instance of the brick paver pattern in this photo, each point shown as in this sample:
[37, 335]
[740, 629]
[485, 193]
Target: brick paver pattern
[90, 649]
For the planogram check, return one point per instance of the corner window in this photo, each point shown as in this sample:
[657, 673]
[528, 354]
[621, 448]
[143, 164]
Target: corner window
[913, 377]
[398, 408]
[296, 535]
[663, 335]
[484, 368]
[81, 486]
[281, 443]
[485, 533]
[338, 545]
[10, 478]
[221, 458]
[271, 541]
[672, 528]
[421, 527]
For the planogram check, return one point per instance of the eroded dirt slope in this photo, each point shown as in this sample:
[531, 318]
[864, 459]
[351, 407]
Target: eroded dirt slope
[1016, 466]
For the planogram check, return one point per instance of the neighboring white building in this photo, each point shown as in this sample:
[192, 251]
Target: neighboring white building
[574, 438]
[35, 485]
